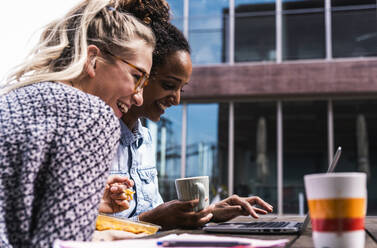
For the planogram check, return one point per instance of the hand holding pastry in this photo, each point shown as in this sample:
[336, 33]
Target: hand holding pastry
[117, 194]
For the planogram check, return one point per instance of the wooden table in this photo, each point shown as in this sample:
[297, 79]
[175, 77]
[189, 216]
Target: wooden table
[299, 241]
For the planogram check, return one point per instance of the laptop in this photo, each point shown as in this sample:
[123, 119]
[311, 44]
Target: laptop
[267, 227]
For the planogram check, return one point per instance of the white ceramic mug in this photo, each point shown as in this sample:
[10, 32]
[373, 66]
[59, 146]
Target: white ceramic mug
[191, 188]
[337, 207]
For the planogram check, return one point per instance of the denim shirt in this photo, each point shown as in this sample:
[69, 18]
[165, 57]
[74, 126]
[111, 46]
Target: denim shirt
[135, 159]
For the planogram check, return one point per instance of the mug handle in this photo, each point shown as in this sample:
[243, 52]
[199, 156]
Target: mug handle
[202, 196]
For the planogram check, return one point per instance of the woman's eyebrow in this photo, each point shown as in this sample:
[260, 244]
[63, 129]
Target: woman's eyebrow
[174, 78]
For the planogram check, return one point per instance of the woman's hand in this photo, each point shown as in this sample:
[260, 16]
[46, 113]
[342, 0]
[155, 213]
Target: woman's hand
[177, 213]
[234, 206]
[114, 199]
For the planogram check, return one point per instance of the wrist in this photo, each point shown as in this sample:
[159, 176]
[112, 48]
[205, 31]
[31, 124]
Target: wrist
[102, 207]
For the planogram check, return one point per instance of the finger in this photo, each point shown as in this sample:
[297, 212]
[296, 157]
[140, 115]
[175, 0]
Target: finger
[224, 214]
[260, 211]
[118, 188]
[234, 209]
[112, 179]
[121, 196]
[117, 179]
[260, 202]
[130, 183]
[195, 219]
[124, 181]
[204, 212]
[123, 204]
[115, 190]
[245, 205]
[211, 207]
[204, 220]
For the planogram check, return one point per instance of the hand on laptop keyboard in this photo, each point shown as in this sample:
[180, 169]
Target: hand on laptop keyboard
[234, 206]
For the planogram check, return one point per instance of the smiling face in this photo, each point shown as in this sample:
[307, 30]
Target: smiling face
[164, 88]
[114, 82]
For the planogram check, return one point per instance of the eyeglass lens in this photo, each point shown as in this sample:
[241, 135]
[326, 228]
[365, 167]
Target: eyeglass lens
[141, 83]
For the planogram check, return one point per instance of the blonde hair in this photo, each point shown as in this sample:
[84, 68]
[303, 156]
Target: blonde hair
[61, 53]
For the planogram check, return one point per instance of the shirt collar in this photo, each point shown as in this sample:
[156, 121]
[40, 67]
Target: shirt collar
[129, 137]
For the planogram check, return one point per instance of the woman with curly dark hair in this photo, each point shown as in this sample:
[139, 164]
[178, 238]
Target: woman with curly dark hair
[171, 71]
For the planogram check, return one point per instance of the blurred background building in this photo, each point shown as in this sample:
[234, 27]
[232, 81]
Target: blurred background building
[277, 86]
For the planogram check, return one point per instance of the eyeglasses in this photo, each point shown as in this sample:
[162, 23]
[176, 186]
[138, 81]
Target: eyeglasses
[142, 81]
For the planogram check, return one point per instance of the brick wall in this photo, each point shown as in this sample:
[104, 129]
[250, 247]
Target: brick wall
[346, 77]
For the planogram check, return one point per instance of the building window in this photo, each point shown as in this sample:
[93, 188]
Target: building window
[255, 150]
[303, 29]
[206, 30]
[355, 129]
[207, 145]
[254, 31]
[177, 17]
[304, 149]
[167, 137]
[354, 28]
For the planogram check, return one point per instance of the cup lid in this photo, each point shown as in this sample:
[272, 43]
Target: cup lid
[336, 174]
[189, 178]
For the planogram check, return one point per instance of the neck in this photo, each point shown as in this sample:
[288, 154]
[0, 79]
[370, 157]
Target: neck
[130, 119]
[74, 84]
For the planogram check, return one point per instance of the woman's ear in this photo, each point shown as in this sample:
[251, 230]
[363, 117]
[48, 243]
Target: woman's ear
[91, 61]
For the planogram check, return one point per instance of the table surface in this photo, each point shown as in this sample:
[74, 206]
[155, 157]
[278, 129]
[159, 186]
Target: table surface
[303, 240]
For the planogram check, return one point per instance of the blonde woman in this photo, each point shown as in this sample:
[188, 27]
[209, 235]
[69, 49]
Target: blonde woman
[59, 122]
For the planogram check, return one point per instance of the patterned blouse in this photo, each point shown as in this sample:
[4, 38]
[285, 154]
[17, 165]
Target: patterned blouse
[56, 147]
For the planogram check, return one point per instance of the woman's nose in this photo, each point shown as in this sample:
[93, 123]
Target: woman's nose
[138, 98]
[177, 97]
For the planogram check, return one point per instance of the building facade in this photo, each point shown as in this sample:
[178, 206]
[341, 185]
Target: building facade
[277, 86]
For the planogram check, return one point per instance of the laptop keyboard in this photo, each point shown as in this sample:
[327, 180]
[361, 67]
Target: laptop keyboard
[299, 224]
[268, 224]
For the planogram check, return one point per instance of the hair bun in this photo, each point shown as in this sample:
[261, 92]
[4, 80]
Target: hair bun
[146, 10]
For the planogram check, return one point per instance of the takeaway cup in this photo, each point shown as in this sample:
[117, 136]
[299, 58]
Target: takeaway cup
[191, 188]
[337, 207]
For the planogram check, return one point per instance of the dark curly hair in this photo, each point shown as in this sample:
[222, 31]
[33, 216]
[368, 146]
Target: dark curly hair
[169, 40]
[155, 13]
[148, 11]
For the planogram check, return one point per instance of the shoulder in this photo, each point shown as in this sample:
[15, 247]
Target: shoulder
[74, 100]
[62, 104]
[55, 95]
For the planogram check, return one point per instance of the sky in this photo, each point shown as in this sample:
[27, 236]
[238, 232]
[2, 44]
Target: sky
[20, 24]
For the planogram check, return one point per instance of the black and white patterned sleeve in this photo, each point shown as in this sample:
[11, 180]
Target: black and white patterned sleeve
[59, 148]
[86, 142]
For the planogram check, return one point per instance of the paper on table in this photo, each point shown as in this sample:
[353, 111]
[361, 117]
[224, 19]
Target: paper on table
[255, 243]
[129, 243]
[152, 243]
[112, 235]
